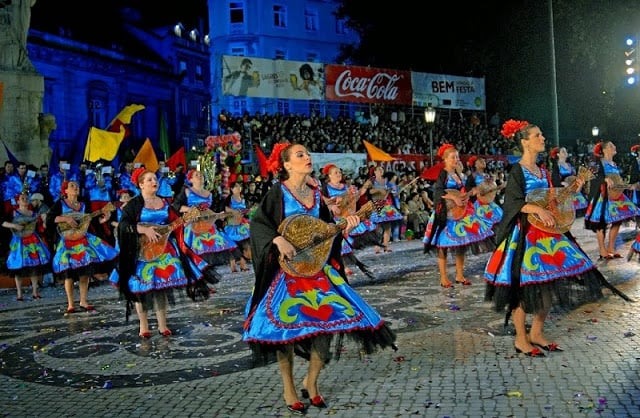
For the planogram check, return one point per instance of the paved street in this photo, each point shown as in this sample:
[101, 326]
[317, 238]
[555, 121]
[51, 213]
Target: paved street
[455, 358]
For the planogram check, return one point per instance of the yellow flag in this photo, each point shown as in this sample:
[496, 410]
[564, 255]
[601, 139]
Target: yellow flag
[102, 144]
[376, 154]
[147, 156]
[125, 115]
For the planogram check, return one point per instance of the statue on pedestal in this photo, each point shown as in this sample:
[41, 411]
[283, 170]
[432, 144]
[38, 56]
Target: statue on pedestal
[15, 18]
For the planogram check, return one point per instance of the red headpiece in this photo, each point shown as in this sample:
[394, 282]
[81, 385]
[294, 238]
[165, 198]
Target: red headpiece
[327, 168]
[554, 152]
[135, 174]
[511, 127]
[443, 148]
[597, 149]
[635, 148]
[273, 164]
[471, 162]
[190, 173]
[63, 187]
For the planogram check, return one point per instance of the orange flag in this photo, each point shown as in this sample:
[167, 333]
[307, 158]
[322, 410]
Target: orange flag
[147, 156]
[376, 154]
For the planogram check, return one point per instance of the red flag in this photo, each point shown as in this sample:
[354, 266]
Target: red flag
[432, 173]
[177, 157]
[262, 162]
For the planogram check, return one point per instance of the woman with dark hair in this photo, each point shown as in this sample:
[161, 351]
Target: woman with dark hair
[608, 206]
[78, 254]
[483, 190]
[387, 215]
[153, 258]
[237, 226]
[534, 264]
[29, 255]
[283, 315]
[563, 174]
[203, 236]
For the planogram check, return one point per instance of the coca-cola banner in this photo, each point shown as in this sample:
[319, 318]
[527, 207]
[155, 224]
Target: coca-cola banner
[367, 85]
[259, 77]
[448, 91]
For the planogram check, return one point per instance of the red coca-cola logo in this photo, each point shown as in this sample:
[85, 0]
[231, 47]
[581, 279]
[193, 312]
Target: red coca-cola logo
[381, 86]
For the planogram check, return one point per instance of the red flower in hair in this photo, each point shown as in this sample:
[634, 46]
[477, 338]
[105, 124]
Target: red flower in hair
[135, 175]
[554, 152]
[635, 148]
[511, 127]
[327, 168]
[63, 187]
[190, 173]
[597, 149]
[471, 162]
[273, 164]
[443, 148]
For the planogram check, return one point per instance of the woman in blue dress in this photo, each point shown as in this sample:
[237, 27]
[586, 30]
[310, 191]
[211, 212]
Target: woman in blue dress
[153, 258]
[388, 215]
[79, 254]
[203, 236]
[534, 265]
[454, 224]
[237, 226]
[344, 200]
[287, 313]
[608, 206]
[563, 173]
[28, 255]
[483, 190]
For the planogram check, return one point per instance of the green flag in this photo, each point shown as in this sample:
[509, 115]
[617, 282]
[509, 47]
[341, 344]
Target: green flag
[164, 138]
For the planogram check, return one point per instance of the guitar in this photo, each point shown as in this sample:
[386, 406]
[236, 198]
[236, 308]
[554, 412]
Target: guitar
[206, 218]
[558, 201]
[83, 220]
[150, 251]
[313, 239]
[618, 186]
[454, 211]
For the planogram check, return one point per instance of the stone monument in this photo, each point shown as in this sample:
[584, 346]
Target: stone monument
[21, 89]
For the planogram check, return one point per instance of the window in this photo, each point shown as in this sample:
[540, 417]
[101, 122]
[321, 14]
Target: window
[341, 26]
[96, 110]
[182, 67]
[236, 12]
[238, 51]
[279, 16]
[199, 75]
[311, 20]
[280, 54]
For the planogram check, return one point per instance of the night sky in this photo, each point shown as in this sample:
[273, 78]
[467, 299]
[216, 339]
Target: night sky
[508, 43]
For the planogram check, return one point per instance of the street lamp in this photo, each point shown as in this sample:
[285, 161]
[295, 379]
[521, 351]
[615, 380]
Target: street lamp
[595, 131]
[430, 117]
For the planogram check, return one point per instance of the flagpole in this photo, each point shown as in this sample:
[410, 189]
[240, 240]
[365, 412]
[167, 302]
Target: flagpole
[554, 87]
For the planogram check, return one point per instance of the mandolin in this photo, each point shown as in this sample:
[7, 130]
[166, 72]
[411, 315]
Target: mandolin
[205, 218]
[454, 211]
[83, 220]
[313, 239]
[558, 201]
[150, 251]
[618, 186]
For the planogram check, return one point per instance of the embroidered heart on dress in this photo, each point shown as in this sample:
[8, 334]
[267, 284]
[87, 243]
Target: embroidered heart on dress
[555, 259]
[322, 313]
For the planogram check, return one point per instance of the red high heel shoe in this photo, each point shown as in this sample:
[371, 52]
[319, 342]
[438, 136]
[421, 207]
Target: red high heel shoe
[146, 335]
[318, 402]
[167, 332]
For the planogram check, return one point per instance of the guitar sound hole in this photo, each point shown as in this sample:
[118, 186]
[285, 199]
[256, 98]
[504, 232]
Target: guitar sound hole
[317, 238]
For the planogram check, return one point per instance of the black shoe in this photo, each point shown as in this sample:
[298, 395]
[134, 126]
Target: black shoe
[297, 408]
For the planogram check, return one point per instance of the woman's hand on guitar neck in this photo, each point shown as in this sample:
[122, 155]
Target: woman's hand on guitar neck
[352, 222]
